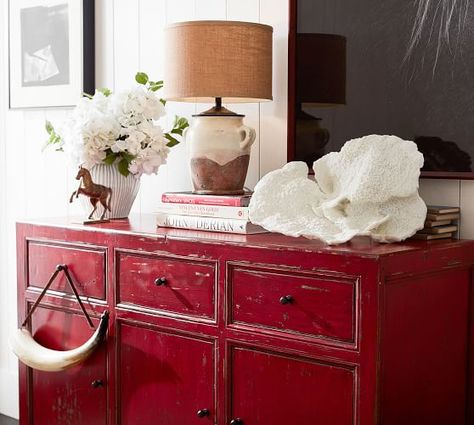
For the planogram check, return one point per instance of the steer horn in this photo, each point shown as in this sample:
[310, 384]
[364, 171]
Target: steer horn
[38, 357]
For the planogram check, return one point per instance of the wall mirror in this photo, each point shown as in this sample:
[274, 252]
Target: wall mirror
[383, 67]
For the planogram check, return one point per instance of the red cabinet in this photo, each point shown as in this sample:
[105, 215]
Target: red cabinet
[76, 396]
[289, 390]
[164, 378]
[248, 330]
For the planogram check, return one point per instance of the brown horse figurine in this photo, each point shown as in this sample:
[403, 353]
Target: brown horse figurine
[95, 192]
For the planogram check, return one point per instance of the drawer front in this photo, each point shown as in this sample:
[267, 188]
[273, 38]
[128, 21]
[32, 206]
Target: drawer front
[169, 284]
[87, 266]
[279, 300]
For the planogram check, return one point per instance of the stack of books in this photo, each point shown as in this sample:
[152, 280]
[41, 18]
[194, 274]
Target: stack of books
[441, 223]
[212, 213]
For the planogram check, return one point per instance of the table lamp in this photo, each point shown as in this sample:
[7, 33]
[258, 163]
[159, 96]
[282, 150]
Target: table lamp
[320, 82]
[218, 62]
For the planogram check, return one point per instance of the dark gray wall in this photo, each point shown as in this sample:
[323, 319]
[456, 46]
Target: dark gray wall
[385, 94]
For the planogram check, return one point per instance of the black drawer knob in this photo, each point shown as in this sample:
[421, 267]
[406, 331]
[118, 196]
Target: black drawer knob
[203, 413]
[97, 383]
[160, 281]
[287, 299]
[237, 421]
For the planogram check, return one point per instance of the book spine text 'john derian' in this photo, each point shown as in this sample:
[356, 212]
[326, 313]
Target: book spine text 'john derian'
[209, 224]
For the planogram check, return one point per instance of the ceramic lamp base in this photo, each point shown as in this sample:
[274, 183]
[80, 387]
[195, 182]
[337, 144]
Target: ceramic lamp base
[211, 178]
[219, 151]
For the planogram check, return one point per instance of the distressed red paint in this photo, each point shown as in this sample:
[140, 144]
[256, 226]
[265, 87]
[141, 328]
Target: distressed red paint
[372, 334]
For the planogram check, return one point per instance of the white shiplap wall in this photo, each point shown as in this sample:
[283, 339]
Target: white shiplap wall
[129, 37]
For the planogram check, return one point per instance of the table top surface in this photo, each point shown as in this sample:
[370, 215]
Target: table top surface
[145, 226]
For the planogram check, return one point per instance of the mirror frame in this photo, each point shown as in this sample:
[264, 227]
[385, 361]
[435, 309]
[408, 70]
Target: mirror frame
[291, 127]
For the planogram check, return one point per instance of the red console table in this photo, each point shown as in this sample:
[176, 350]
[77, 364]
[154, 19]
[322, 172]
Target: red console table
[248, 330]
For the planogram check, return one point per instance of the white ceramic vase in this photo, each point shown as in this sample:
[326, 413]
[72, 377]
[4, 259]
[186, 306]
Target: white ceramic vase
[124, 191]
[219, 152]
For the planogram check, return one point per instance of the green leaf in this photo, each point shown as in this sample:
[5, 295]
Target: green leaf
[163, 101]
[172, 141]
[141, 78]
[105, 91]
[110, 158]
[127, 156]
[180, 122]
[123, 167]
[49, 127]
[183, 123]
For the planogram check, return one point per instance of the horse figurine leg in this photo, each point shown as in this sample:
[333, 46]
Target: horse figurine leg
[76, 194]
[79, 188]
[105, 201]
[94, 203]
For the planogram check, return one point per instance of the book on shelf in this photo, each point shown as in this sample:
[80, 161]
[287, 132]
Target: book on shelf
[442, 217]
[442, 209]
[441, 223]
[437, 223]
[239, 213]
[209, 224]
[439, 230]
[429, 237]
[217, 200]
[215, 236]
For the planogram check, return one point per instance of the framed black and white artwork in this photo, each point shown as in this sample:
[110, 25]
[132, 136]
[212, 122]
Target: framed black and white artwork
[51, 52]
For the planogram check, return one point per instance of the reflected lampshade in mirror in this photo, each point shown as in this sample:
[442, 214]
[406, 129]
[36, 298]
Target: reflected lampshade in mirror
[320, 83]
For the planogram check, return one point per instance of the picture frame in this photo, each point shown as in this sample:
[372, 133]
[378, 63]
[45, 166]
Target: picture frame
[51, 52]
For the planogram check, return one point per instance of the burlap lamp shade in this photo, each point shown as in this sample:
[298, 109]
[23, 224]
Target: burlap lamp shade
[206, 60]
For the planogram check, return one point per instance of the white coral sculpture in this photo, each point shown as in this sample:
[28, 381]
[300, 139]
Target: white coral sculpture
[368, 188]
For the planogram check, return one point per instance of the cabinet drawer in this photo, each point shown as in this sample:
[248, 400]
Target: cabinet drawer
[170, 284]
[302, 303]
[87, 266]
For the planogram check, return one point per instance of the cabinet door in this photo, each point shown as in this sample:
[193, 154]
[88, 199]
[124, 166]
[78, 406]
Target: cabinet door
[164, 378]
[77, 396]
[268, 388]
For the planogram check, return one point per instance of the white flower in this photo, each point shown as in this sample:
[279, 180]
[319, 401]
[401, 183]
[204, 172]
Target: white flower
[118, 123]
[153, 132]
[130, 141]
[149, 160]
[136, 106]
[100, 102]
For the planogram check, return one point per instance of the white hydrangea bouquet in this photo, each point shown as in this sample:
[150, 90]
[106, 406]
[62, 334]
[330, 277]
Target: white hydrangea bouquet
[119, 129]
